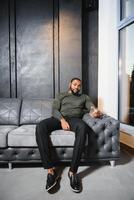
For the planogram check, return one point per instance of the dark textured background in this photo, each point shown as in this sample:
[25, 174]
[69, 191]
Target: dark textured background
[43, 44]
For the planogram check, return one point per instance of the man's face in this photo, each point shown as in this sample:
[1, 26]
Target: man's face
[75, 86]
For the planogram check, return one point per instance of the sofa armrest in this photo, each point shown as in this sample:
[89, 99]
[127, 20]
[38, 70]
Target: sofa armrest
[105, 122]
[106, 134]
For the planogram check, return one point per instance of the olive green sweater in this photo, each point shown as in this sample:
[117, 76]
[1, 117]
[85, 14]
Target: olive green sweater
[69, 105]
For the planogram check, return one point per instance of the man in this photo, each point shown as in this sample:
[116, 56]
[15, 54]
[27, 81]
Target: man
[68, 109]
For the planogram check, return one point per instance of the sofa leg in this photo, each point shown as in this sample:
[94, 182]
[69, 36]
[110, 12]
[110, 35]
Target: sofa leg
[112, 163]
[9, 166]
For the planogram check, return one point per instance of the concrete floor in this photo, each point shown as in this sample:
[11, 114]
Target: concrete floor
[100, 182]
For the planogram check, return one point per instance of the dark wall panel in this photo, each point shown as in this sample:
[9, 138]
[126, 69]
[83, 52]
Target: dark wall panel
[34, 47]
[43, 44]
[90, 49]
[69, 41]
[4, 50]
[92, 81]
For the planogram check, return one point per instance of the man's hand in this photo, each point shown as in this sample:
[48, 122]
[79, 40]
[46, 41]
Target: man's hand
[94, 112]
[64, 124]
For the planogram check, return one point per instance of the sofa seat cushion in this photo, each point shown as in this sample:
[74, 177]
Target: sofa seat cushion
[62, 138]
[24, 136]
[4, 130]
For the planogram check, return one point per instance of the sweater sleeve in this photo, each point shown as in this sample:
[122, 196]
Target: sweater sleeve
[56, 108]
[88, 103]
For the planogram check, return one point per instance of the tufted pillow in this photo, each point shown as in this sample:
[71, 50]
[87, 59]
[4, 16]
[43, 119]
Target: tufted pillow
[35, 110]
[9, 111]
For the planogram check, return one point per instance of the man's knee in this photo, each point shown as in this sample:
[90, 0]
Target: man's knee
[41, 125]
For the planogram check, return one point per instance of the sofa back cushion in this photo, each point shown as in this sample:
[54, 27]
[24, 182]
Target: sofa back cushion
[35, 110]
[9, 111]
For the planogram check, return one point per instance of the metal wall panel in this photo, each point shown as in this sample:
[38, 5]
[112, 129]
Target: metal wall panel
[90, 49]
[34, 43]
[4, 50]
[43, 44]
[69, 41]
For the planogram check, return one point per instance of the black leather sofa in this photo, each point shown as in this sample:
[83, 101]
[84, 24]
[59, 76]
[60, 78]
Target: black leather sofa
[18, 119]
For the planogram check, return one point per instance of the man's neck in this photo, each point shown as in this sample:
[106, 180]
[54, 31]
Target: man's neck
[76, 94]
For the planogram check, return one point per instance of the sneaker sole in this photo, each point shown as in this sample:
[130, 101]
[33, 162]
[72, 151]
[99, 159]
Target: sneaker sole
[53, 184]
[77, 191]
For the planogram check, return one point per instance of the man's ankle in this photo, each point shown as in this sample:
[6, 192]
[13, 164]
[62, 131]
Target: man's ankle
[51, 170]
[71, 172]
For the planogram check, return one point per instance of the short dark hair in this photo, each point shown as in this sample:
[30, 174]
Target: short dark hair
[75, 78]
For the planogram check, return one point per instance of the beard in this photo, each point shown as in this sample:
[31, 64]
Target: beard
[74, 92]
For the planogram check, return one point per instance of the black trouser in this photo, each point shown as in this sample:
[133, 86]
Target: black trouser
[46, 126]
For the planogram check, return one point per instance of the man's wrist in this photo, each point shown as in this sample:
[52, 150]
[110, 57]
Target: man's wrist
[62, 119]
[92, 109]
